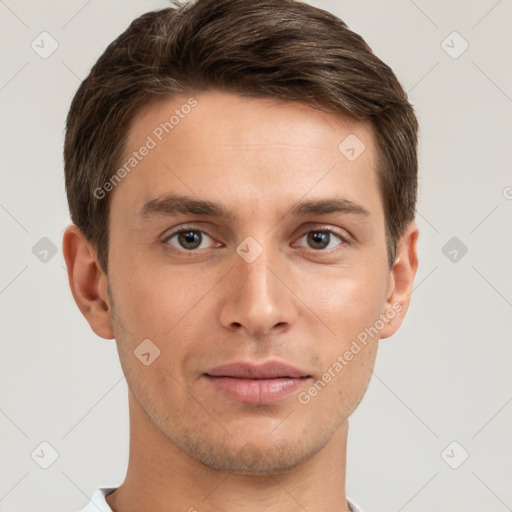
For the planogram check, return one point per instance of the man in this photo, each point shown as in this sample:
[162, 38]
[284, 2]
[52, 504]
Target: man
[242, 179]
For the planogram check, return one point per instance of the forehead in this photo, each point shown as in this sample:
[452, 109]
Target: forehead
[221, 115]
[246, 152]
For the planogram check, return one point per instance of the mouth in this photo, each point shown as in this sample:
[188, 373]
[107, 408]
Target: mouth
[257, 384]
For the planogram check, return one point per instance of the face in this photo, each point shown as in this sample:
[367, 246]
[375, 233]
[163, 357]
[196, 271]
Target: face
[285, 264]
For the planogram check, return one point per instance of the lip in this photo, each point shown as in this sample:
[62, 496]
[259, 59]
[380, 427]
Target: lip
[268, 370]
[257, 384]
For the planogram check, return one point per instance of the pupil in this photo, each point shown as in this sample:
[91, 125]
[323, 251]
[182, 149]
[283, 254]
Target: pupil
[321, 238]
[190, 237]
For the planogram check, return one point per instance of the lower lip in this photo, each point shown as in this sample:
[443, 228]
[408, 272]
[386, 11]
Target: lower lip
[257, 391]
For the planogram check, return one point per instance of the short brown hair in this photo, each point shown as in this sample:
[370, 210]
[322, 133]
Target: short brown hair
[281, 49]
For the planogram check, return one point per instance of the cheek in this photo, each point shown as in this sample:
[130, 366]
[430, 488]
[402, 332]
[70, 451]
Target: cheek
[165, 305]
[149, 297]
[348, 301]
[349, 304]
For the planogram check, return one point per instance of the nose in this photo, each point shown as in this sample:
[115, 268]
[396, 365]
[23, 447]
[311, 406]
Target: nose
[258, 296]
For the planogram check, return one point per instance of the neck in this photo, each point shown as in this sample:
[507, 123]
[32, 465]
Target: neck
[162, 477]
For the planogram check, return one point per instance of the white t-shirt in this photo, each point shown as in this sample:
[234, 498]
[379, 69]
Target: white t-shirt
[98, 501]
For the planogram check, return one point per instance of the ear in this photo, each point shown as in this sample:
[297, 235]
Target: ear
[88, 282]
[401, 281]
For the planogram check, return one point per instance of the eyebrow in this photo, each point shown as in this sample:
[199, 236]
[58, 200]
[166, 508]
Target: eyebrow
[173, 204]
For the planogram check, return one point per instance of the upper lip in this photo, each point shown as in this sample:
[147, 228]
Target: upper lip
[268, 370]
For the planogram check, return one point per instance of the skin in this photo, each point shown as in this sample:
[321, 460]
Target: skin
[190, 445]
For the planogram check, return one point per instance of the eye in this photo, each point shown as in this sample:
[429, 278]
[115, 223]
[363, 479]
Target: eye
[320, 239]
[188, 239]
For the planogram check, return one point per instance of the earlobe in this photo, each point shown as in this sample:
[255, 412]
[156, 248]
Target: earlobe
[87, 281]
[401, 281]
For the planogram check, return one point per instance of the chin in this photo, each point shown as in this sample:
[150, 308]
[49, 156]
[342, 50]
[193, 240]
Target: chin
[253, 460]
[247, 458]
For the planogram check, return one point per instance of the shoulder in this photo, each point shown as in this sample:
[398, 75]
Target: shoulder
[353, 507]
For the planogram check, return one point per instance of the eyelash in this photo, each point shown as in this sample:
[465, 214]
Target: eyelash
[343, 239]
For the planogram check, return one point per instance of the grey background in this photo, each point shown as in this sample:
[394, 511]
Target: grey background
[444, 377]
